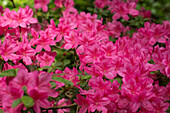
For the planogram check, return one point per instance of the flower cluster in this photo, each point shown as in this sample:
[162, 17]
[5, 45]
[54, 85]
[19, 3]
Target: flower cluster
[120, 8]
[109, 77]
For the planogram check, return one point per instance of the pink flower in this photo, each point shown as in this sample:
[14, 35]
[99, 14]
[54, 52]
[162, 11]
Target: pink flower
[131, 7]
[71, 75]
[63, 102]
[162, 60]
[38, 87]
[8, 96]
[24, 17]
[21, 18]
[93, 54]
[145, 13]
[83, 102]
[98, 102]
[61, 30]
[115, 28]
[93, 71]
[41, 4]
[7, 18]
[101, 3]
[1, 10]
[167, 92]
[25, 52]
[8, 49]
[23, 78]
[159, 105]
[105, 66]
[71, 40]
[59, 3]
[121, 11]
[44, 41]
[46, 58]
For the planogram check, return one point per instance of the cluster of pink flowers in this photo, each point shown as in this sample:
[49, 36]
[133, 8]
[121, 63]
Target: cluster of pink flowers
[14, 19]
[120, 8]
[125, 60]
[37, 85]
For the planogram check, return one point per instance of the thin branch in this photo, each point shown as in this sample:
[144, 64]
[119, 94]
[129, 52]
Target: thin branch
[60, 107]
[21, 61]
[13, 3]
[77, 109]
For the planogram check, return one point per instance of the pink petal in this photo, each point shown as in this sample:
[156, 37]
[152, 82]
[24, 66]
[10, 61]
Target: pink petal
[134, 12]
[38, 48]
[45, 8]
[116, 16]
[125, 17]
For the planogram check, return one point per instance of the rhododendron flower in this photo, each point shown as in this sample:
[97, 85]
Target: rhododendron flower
[21, 18]
[3, 82]
[93, 71]
[1, 9]
[8, 49]
[71, 75]
[59, 3]
[38, 87]
[98, 102]
[131, 7]
[93, 54]
[167, 92]
[145, 13]
[162, 60]
[115, 28]
[24, 17]
[159, 105]
[63, 102]
[101, 3]
[166, 26]
[23, 78]
[105, 67]
[44, 41]
[61, 30]
[98, 83]
[25, 52]
[83, 102]
[121, 11]
[71, 40]
[41, 4]
[8, 95]
[46, 58]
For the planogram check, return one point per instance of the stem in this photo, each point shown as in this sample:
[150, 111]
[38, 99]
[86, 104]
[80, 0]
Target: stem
[77, 109]
[21, 61]
[60, 107]
[13, 3]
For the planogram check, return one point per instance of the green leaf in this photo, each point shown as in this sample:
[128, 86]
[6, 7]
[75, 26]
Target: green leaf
[90, 9]
[1, 111]
[50, 70]
[66, 62]
[86, 77]
[9, 73]
[45, 67]
[16, 103]
[58, 64]
[66, 82]
[119, 80]
[27, 101]
[32, 67]
[53, 84]
[25, 89]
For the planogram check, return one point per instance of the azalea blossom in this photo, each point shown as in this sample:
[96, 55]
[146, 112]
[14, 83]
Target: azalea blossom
[41, 4]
